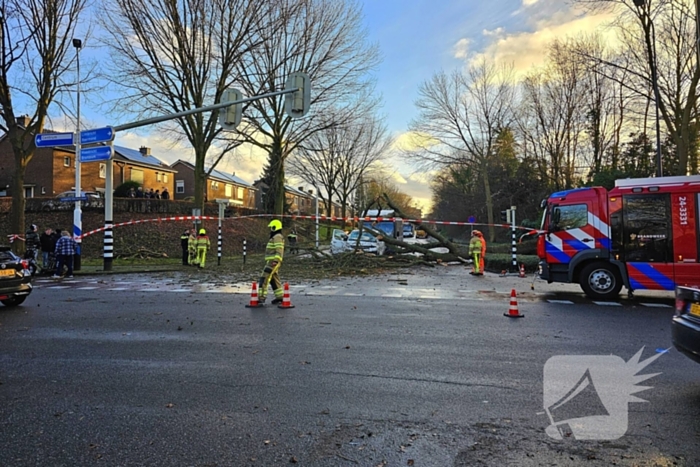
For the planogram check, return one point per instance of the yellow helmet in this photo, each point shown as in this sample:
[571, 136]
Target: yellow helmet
[202, 232]
[275, 225]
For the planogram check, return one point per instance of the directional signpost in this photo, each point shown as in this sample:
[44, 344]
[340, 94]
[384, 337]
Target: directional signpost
[73, 199]
[97, 153]
[49, 140]
[98, 135]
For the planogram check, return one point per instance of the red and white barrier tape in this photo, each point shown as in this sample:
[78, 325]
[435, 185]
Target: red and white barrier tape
[323, 218]
[12, 237]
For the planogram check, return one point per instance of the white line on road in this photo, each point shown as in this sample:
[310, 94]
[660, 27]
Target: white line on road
[608, 303]
[656, 305]
[86, 288]
[562, 302]
[59, 287]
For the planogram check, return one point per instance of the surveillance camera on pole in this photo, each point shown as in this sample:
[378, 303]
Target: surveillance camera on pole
[230, 117]
[297, 104]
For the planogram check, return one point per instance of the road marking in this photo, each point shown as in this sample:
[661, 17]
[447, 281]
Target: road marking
[119, 288]
[562, 302]
[352, 294]
[656, 305]
[59, 287]
[149, 290]
[179, 290]
[391, 295]
[608, 303]
[86, 288]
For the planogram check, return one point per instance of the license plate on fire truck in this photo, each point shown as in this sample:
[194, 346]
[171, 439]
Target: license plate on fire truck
[695, 309]
[7, 272]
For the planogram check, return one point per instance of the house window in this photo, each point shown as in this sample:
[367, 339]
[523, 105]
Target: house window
[137, 175]
[29, 192]
[165, 178]
[66, 162]
[240, 193]
[179, 186]
[158, 177]
[228, 190]
[103, 170]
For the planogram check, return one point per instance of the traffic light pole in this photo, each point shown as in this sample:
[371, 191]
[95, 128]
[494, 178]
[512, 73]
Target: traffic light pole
[296, 106]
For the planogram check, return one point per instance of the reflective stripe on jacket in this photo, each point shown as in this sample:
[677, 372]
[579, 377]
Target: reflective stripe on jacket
[475, 245]
[275, 248]
[203, 242]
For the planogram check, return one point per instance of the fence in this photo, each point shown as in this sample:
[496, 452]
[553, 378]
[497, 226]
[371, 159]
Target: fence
[142, 205]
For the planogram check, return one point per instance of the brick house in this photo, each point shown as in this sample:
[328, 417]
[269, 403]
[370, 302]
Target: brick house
[219, 185]
[52, 171]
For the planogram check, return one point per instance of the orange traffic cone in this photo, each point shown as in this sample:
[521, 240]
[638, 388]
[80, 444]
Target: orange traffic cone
[522, 270]
[254, 303]
[513, 309]
[286, 300]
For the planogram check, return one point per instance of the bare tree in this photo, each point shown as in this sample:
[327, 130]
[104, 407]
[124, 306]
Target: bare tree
[552, 118]
[460, 119]
[36, 38]
[666, 31]
[325, 39]
[170, 56]
[606, 99]
[340, 157]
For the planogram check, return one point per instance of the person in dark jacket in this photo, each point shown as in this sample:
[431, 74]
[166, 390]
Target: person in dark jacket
[184, 244]
[47, 246]
[54, 239]
[31, 241]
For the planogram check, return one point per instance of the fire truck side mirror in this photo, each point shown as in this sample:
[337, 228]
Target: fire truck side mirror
[556, 216]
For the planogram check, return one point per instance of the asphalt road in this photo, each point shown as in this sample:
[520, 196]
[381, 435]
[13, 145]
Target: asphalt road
[100, 377]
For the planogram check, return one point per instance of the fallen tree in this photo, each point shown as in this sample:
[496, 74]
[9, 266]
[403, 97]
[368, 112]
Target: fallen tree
[454, 252]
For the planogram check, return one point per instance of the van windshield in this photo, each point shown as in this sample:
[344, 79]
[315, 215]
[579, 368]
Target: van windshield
[387, 227]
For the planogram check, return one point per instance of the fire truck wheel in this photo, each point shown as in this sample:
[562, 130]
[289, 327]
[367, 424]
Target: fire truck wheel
[600, 281]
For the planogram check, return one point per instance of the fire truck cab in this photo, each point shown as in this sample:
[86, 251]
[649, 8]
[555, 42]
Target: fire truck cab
[642, 234]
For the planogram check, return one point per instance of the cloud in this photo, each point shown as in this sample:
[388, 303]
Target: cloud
[529, 2]
[411, 141]
[526, 50]
[461, 48]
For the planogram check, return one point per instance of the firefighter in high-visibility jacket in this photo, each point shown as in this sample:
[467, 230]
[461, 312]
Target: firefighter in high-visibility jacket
[273, 261]
[203, 245]
[192, 248]
[475, 247]
[483, 250]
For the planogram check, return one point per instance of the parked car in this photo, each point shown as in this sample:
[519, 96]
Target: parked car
[342, 242]
[15, 278]
[409, 231]
[685, 328]
[94, 200]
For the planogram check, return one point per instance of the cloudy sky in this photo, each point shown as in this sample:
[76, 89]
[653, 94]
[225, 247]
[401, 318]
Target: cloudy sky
[418, 38]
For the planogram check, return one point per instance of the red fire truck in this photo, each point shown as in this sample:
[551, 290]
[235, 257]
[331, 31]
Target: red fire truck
[642, 234]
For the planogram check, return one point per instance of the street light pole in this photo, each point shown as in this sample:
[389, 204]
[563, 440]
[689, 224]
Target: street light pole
[77, 212]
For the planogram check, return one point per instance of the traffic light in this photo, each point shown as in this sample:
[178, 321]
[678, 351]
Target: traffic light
[296, 104]
[505, 216]
[230, 117]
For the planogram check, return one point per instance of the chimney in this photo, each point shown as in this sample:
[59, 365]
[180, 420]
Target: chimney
[301, 188]
[145, 151]
[23, 121]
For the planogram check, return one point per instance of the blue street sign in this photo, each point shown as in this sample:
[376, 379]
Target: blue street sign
[73, 199]
[98, 153]
[98, 135]
[49, 140]
[471, 219]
